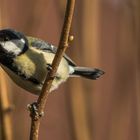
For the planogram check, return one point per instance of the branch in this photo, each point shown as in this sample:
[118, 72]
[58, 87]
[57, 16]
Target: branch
[5, 105]
[5, 110]
[63, 44]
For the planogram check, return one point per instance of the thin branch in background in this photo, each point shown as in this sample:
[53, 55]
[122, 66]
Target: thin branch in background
[5, 106]
[5, 110]
[63, 44]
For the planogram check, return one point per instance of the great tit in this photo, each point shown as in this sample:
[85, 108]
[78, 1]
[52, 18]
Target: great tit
[27, 61]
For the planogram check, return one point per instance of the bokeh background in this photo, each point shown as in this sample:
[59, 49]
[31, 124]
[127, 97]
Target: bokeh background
[107, 36]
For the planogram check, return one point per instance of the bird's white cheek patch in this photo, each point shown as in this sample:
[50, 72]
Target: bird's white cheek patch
[11, 47]
[22, 40]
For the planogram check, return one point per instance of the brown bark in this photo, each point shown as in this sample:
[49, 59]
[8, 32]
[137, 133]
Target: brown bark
[63, 44]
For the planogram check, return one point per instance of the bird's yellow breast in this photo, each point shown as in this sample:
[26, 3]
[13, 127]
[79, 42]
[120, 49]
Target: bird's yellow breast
[34, 63]
[31, 63]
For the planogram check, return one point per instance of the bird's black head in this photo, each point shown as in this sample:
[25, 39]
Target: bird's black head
[12, 43]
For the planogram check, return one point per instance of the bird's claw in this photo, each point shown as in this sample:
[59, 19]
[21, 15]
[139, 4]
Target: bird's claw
[49, 67]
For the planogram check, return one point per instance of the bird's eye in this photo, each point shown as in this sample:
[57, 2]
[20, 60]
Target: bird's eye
[6, 38]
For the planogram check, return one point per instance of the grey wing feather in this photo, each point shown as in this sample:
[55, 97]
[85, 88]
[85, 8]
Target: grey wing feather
[42, 45]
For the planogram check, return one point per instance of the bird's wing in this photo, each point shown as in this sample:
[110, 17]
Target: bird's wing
[42, 45]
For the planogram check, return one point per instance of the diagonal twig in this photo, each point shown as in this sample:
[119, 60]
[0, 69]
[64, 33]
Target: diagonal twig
[63, 44]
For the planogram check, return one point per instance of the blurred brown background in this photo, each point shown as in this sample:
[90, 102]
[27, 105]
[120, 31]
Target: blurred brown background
[106, 36]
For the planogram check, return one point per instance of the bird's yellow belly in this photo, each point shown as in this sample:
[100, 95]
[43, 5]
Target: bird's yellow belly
[33, 64]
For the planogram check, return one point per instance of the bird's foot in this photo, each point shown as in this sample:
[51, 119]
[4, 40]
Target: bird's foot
[49, 67]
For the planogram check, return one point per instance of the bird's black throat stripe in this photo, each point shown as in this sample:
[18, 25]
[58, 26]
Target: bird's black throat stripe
[9, 64]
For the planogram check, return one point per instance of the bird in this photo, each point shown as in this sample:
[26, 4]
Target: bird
[27, 60]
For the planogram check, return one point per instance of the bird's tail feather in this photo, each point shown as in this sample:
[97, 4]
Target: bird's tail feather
[89, 73]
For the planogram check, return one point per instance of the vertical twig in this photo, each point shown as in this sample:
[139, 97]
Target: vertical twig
[63, 44]
[5, 116]
[5, 107]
